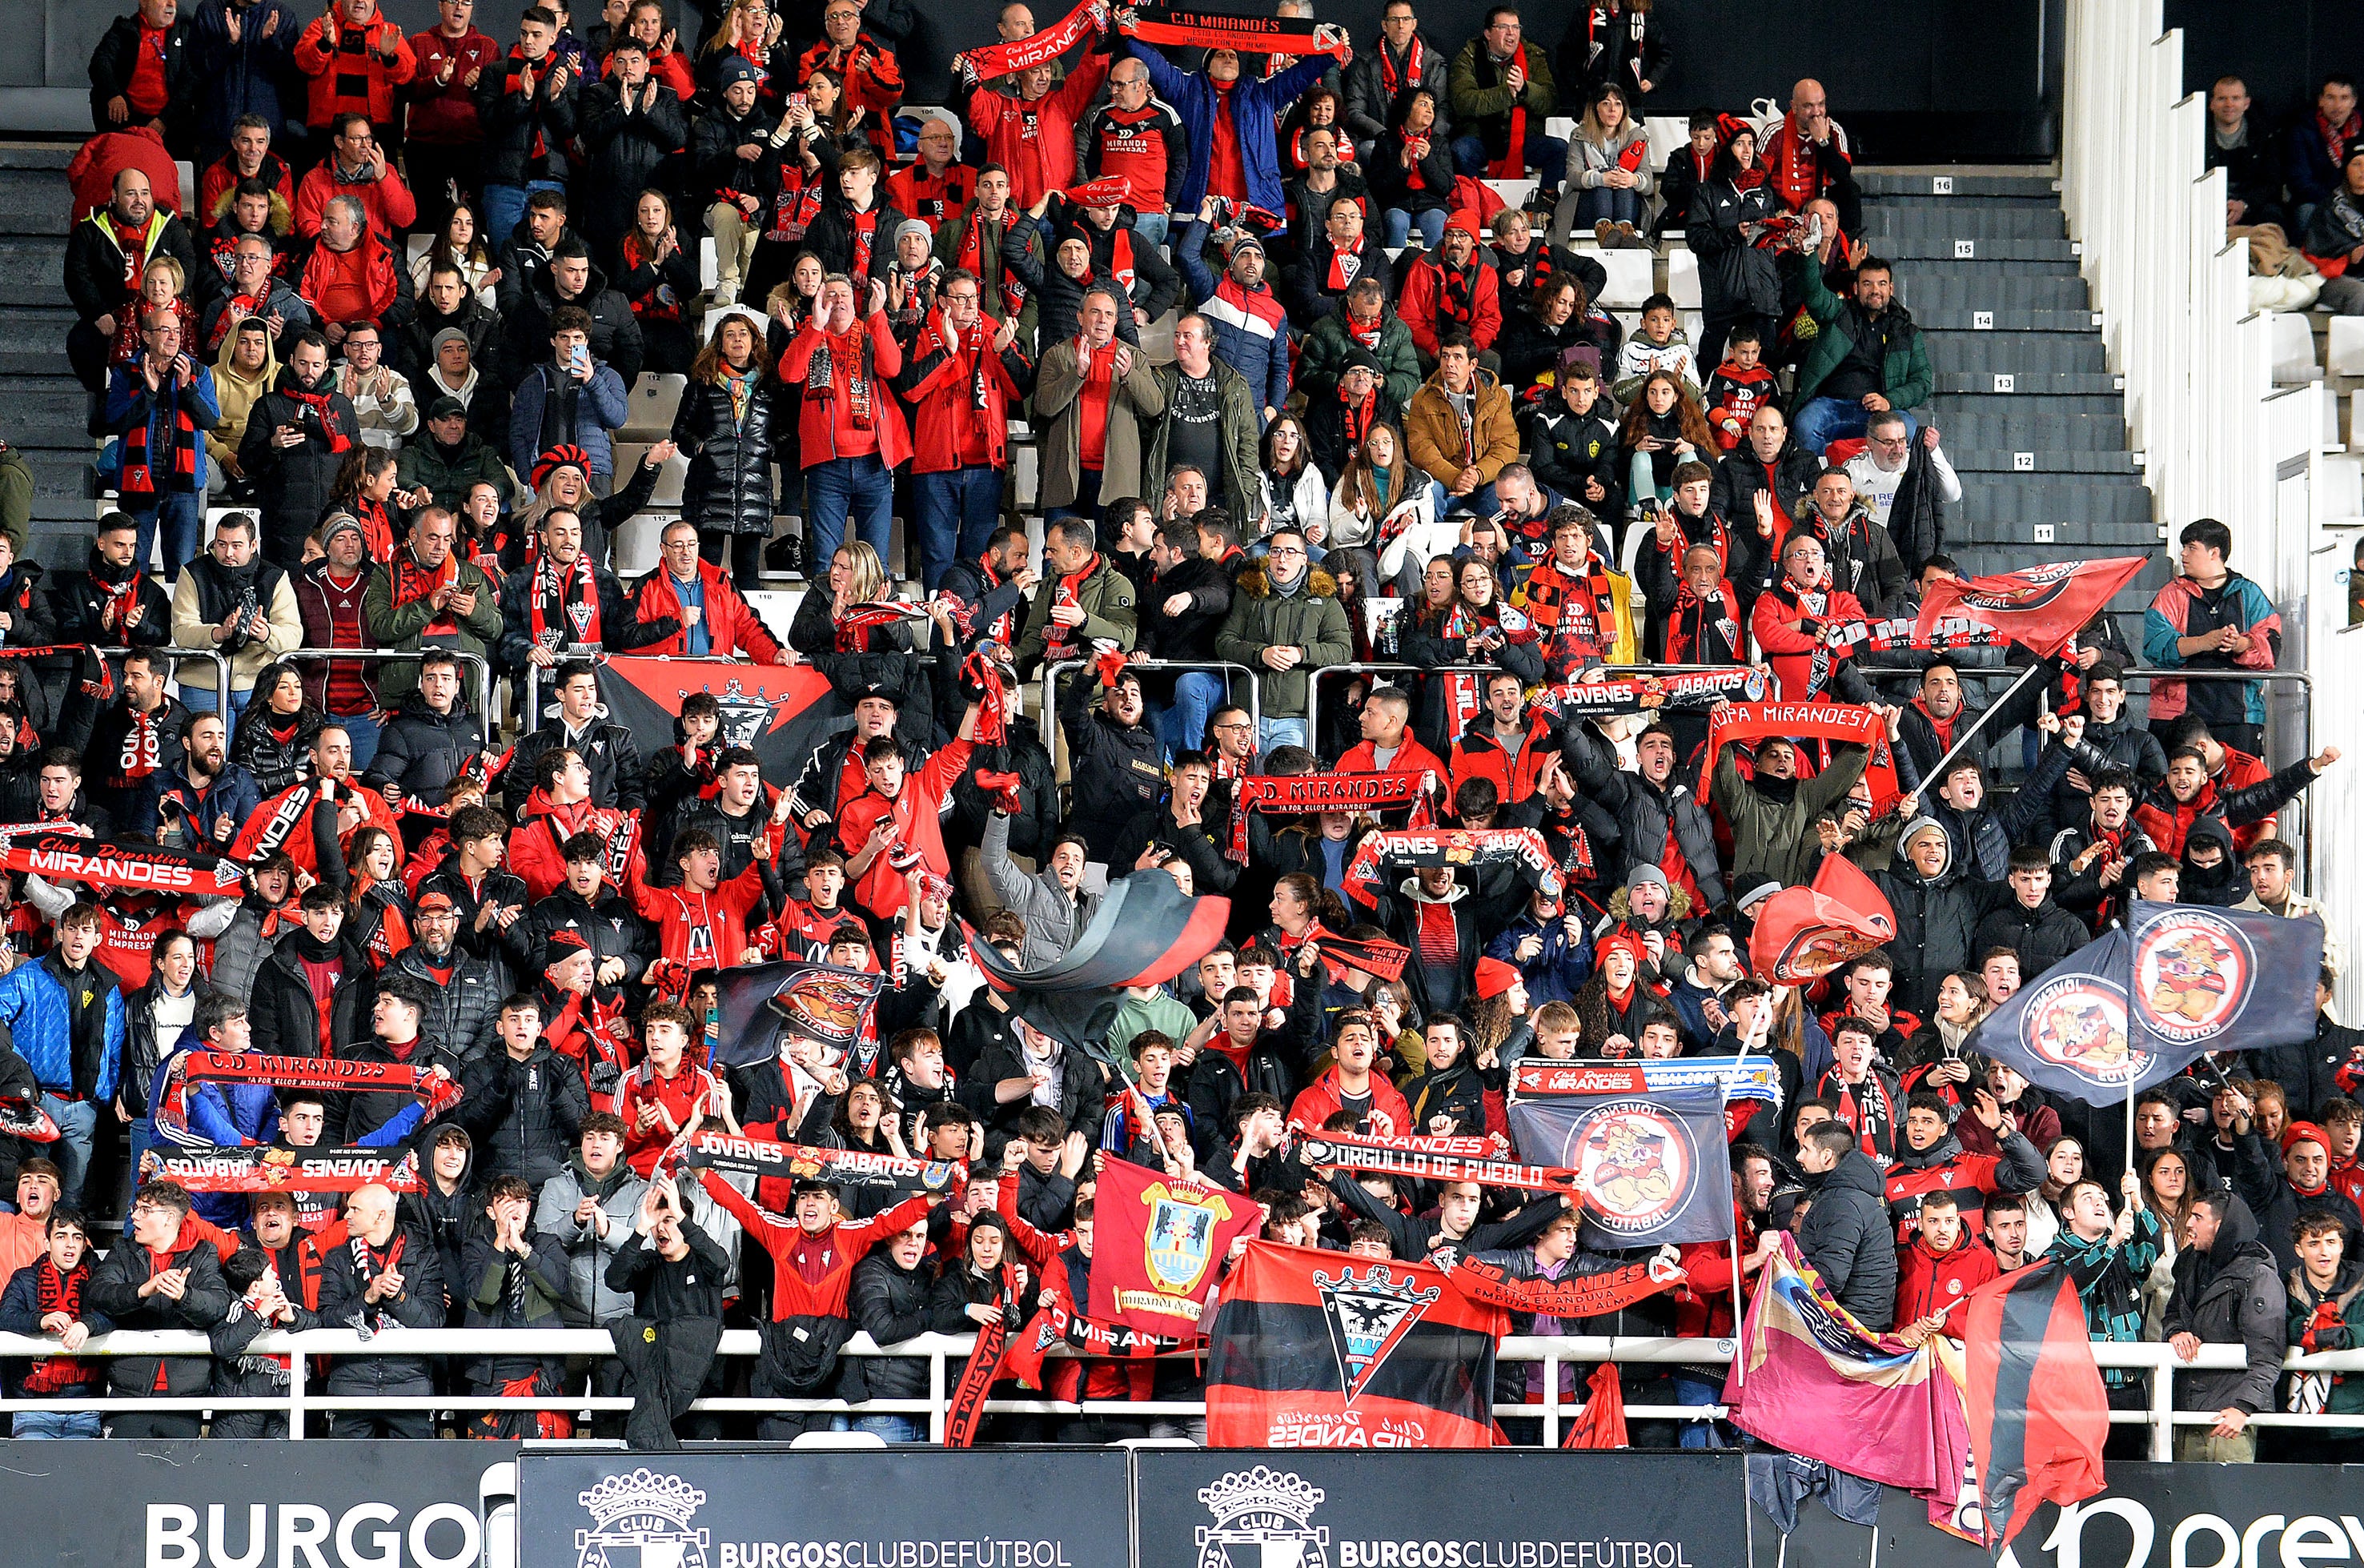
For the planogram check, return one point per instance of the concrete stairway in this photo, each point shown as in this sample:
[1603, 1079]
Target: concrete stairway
[44, 411]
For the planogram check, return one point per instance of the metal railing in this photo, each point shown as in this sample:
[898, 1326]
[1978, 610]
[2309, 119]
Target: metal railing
[1053, 738]
[1375, 667]
[475, 661]
[943, 1352]
[220, 661]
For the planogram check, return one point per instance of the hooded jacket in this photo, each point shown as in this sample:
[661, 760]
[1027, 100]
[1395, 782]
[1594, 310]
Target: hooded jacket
[2231, 1294]
[1936, 918]
[590, 1301]
[1847, 1239]
[114, 1291]
[1310, 618]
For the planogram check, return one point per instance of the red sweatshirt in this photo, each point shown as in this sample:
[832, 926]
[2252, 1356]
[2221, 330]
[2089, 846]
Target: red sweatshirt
[917, 812]
[701, 931]
[827, 426]
[811, 1272]
[1929, 1282]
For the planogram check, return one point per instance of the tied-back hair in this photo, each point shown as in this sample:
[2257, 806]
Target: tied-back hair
[1686, 411]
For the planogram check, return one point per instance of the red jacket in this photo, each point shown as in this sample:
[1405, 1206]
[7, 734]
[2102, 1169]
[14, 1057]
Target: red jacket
[947, 408]
[919, 821]
[732, 629]
[1423, 293]
[91, 175]
[330, 269]
[1411, 757]
[874, 81]
[811, 1274]
[1478, 755]
[1036, 141]
[1790, 651]
[386, 201]
[326, 64]
[1321, 1099]
[535, 856]
[825, 424]
[683, 1095]
[700, 931]
[443, 114]
[1703, 1301]
[1929, 1281]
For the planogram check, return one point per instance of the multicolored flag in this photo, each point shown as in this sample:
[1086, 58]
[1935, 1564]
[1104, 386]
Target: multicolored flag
[1158, 1245]
[2041, 608]
[1324, 1350]
[2039, 1413]
[1803, 933]
[1653, 1164]
[764, 1003]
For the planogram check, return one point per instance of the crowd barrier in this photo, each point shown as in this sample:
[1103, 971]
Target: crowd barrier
[1055, 738]
[476, 662]
[306, 1400]
[220, 660]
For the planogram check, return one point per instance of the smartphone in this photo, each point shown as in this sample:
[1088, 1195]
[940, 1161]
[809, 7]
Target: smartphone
[581, 360]
[797, 101]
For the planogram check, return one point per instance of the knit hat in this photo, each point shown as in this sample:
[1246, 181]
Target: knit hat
[1645, 874]
[1358, 358]
[1244, 241]
[882, 691]
[1620, 939]
[446, 407]
[2304, 1132]
[1494, 978]
[343, 522]
[1756, 892]
[736, 68]
[450, 335]
[914, 225]
[1467, 222]
[556, 458]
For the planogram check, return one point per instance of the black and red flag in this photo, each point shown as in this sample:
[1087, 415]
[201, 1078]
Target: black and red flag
[765, 1004]
[2040, 607]
[781, 712]
[1803, 933]
[2039, 1413]
[1312, 1349]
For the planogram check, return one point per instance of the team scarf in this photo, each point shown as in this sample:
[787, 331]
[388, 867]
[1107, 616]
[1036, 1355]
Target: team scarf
[139, 477]
[1694, 619]
[588, 1030]
[1685, 691]
[970, 349]
[1063, 641]
[1392, 78]
[1376, 955]
[63, 855]
[992, 698]
[820, 372]
[660, 303]
[1790, 167]
[1002, 625]
[1433, 1160]
[1114, 190]
[54, 1292]
[322, 410]
[1055, 1323]
[797, 1161]
[1248, 31]
[260, 1168]
[1473, 847]
[1586, 1295]
[1368, 335]
[1828, 721]
[966, 1408]
[796, 204]
[1306, 793]
[115, 599]
[853, 627]
[1577, 616]
[1354, 423]
[565, 605]
[314, 1075]
[1813, 604]
[988, 62]
[1740, 1078]
[1456, 289]
[2336, 137]
[25, 1118]
[413, 582]
[975, 259]
[1345, 266]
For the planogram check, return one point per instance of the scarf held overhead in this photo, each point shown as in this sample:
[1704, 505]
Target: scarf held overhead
[989, 61]
[270, 1170]
[841, 1167]
[1307, 793]
[1245, 28]
[1459, 1160]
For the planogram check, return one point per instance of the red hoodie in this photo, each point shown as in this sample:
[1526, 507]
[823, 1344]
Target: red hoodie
[1324, 1099]
[1929, 1281]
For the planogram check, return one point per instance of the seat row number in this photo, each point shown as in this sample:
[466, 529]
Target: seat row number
[1981, 320]
[2005, 382]
[1964, 249]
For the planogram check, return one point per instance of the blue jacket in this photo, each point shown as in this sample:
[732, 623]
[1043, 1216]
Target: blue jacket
[1256, 105]
[33, 1006]
[2312, 177]
[600, 409]
[1255, 345]
[1555, 975]
[246, 77]
[235, 794]
[128, 404]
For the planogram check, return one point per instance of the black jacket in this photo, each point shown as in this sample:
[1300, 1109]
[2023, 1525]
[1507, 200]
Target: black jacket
[293, 484]
[280, 1012]
[524, 1116]
[1737, 277]
[2306, 1072]
[2042, 936]
[1739, 475]
[418, 1305]
[467, 1002]
[1847, 1238]
[729, 486]
[510, 949]
[114, 1292]
[1201, 846]
[621, 628]
[615, 331]
[1566, 448]
[830, 237]
[116, 58]
[608, 750]
[623, 145]
[524, 136]
[890, 1303]
[354, 1116]
[423, 751]
[1115, 771]
[2232, 1293]
[609, 928]
[95, 263]
[142, 1051]
[1936, 922]
[79, 598]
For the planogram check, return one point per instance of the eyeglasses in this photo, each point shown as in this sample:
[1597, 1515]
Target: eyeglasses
[1236, 726]
[1288, 549]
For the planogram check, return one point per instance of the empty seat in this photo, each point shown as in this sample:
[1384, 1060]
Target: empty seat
[1512, 193]
[2293, 347]
[2345, 352]
[419, 243]
[1683, 279]
[667, 494]
[1632, 277]
[188, 172]
[653, 404]
[636, 543]
[1667, 133]
[705, 263]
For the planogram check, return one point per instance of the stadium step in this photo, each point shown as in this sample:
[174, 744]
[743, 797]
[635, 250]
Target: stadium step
[1974, 221]
[1923, 248]
[1943, 184]
[1941, 291]
[2013, 352]
[1953, 385]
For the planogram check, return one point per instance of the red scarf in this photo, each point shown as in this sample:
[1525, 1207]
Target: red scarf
[1367, 336]
[1359, 418]
[1001, 627]
[2336, 137]
[1789, 162]
[660, 303]
[1454, 287]
[565, 604]
[1120, 259]
[1813, 603]
[543, 68]
[413, 583]
[820, 372]
[1061, 641]
[865, 235]
[973, 260]
[318, 403]
[1694, 617]
[1341, 275]
[132, 242]
[138, 476]
[1576, 615]
[54, 1292]
[1391, 81]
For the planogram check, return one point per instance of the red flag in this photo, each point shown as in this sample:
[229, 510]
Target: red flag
[1803, 933]
[1602, 1424]
[2040, 607]
[1160, 1245]
[2039, 1413]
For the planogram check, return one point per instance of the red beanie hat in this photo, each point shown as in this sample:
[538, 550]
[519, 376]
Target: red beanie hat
[2304, 1132]
[1495, 977]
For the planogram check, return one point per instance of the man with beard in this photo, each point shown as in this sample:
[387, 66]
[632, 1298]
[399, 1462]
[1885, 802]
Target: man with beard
[296, 438]
[200, 801]
[229, 599]
[113, 601]
[134, 741]
[447, 457]
[1452, 289]
[2227, 1291]
[1116, 760]
[990, 592]
[463, 992]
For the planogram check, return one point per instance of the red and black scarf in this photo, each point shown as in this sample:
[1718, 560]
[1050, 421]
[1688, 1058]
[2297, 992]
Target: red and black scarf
[1060, 641]
[1455, 287]
[1392, 79]
[179, 477]
[660, 303]
[1576, 615]
[320, 403]
[565, 604]
[1694, 619]
[1345, 266]
[54, 1292]
[820, 374]
[974, 260]
[413, 582]
[1814, 605]
[1357, 420]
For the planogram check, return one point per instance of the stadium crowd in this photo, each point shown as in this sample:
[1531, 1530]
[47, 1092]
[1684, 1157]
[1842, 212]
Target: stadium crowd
[1308, 392]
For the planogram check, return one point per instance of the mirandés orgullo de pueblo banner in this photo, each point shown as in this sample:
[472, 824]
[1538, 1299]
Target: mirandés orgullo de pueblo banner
[1311, 1349]
[2142, 1002]
[1652, 1164]
[1159, 1245]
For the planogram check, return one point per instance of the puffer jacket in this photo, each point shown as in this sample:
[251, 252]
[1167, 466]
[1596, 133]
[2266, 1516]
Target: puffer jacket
[890, 1303]
[1737, 276]
[467, 1002]
[1310, 618]
[523, 1115]
[1116, 770]
[1847, 1238]
[114, 1292]
[424, 750]
[1644, 812]
[1054, 920]
[590, 1301]
[33, 1005]
[728, 488]
[2230, 1295]
[2331, 1319]
[418, 1305]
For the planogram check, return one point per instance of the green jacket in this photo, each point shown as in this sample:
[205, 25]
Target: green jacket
[1105, 597]
[405, 628]
[1773, 839]
[1323, 358]
[449, 478]
[1482, 108]
[1906, 379]
[1311, 618]
[15, 499]
[1239, 489]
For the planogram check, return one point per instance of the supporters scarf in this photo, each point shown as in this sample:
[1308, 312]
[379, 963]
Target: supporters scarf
[142, 867]
[1056, 1322]
[1245, 29]
[1378, 956]
[820, 371]
[1568, 608]
[1306, 793]
[967, 1407]
[54, 1292]
[260, 1169]
[324, 414]
[974, 258]
[1114, 191]
[981, 674]
[1041, 48]
[1060, 641]
[1739, 1078]
[1695, 619]
[321, 1075]
[139, 477]
[413, 582]
[261, 834]
[1393, 79]
[1587, 1296]
[25, 1119]
[1473, 847]
[565, 608]
[797, 1162]
[1687, 692]
[1752, 721]
[1433, 1160]
[855, 627]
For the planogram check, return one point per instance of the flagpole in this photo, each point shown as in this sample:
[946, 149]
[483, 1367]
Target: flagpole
[1739, 1303]
[1936, 775]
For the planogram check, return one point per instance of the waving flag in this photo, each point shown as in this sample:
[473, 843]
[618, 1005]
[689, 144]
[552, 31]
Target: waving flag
[1653, 1163]
[2041, 608]
[2039, 1413]
[1323, 1350]
[1803, 933]
[761, 1003]
[1159, 1244]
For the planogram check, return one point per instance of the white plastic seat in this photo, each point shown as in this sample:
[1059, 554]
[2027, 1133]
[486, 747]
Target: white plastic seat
[705, 263]
[1683, 279]
[188, 188]
[654, 400]
[420, 244]
[1512, 193]
[1632, 277]
[667, 494]
[2293, 347]
[2344, 353]
[1665, 133]
[635, 544]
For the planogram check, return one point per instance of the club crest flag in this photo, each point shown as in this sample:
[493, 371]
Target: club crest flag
[1803, 933]
[1653, 1165]
[1312, 1349]
[1159, 1247]
[765, 1003]
[781, 712]
[2040, 607]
